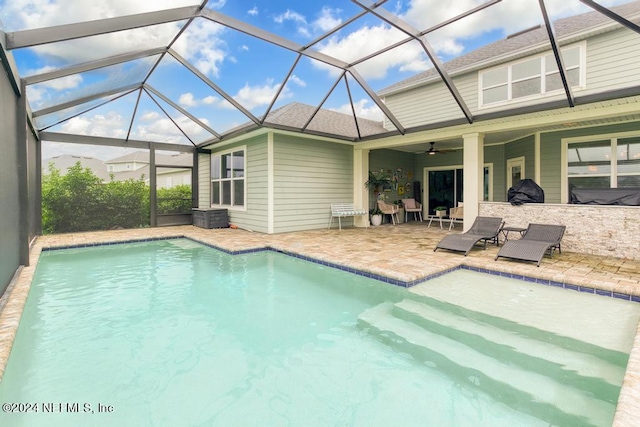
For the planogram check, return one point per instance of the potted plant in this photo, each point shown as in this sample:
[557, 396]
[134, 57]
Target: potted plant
[441, 211]
[376, 182]
[376, 216]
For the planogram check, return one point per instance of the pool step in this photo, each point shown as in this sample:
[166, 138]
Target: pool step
[510, 383]
[582, 370]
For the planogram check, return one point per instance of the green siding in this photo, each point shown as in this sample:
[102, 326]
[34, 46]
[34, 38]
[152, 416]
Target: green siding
[612, 62]
[204, 181]
[309, 175]
[391, 160]
[550, 154]
[495, 154]
[254, 217]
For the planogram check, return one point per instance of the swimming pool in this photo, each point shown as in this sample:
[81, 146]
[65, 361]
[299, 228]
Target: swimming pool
[176, 333]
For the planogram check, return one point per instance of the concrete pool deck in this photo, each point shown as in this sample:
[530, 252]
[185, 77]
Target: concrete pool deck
[401, 253]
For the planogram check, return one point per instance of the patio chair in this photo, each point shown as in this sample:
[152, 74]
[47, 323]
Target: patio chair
[388, 209]
[484, 229]
[456, 215]
[536, 241]
[410, 205]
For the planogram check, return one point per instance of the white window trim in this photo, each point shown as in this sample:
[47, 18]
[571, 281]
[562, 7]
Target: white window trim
[243, 208]
[613, 137]
[544, 94]
[425, 180]
[515, 161]
[490, 195]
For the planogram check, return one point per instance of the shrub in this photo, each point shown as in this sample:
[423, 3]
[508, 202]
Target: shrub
[79, 201]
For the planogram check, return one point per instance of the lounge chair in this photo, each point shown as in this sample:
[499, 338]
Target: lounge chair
[484, 228]
[536, 241]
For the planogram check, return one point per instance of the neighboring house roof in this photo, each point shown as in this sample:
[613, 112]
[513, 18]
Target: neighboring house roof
[295, 116]
[522, 43]
[134, 156]
[178, 159]
[65, 161]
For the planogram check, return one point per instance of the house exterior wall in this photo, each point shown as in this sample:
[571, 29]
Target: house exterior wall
[551, 150]
[173, 179]
[495, 156]
[605, 53]
[392, 160]
[204, 183]
[596, 230]
[253, 216]
[10, 189]
[309, 175]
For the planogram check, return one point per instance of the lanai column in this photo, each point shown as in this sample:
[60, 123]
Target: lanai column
[360, 176]
[473, 176]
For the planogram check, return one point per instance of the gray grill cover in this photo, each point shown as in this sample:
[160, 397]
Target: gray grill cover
[525, 191]
[606, 196]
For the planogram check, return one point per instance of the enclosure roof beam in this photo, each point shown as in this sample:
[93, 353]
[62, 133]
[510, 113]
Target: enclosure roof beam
[113, 142]
[606, 11]
[271, 38]
[214, 86]
[401, 25]
[85, 99]
[556, 53]
[92, 65]
[39, 36]
[180, 109]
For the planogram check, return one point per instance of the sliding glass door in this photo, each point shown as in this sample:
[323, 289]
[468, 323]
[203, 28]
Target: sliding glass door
[444, 188]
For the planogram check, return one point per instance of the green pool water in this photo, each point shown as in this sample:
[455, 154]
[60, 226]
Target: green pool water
[174, 333]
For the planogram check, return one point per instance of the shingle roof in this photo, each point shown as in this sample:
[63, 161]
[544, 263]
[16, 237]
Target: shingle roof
[65, 161]
[513, 44]
[181, 159]
[296, 115]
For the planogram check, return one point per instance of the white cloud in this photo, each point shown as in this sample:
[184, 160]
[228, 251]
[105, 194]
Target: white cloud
[188, 100]
[150, 116]
[363, 110]
[290, 15]
[327, 19]
[255, 96]
[297, 18]
[202, 44]
[164, 130]
[368, 40]
[209, 100]
[68, 82]
[111, 125]
[253, 11]
[297, 80]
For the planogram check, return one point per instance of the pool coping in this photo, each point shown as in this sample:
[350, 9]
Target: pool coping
[387, 279]
[14, 299]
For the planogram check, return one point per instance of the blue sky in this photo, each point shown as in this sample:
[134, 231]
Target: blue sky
[248, 69]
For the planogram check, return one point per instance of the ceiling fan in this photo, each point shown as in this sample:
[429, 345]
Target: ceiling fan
[433, 150]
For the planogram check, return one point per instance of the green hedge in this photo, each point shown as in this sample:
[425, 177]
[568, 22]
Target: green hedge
[80, 201]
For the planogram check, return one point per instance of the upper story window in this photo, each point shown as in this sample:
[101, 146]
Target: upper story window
[532, 77]
[228, 184]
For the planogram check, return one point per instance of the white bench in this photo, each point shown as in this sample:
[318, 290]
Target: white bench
[341, 210]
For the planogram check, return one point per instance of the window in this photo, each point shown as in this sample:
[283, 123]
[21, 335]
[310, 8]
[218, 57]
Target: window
[530, 78]
[228, 179]
[604, 163]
